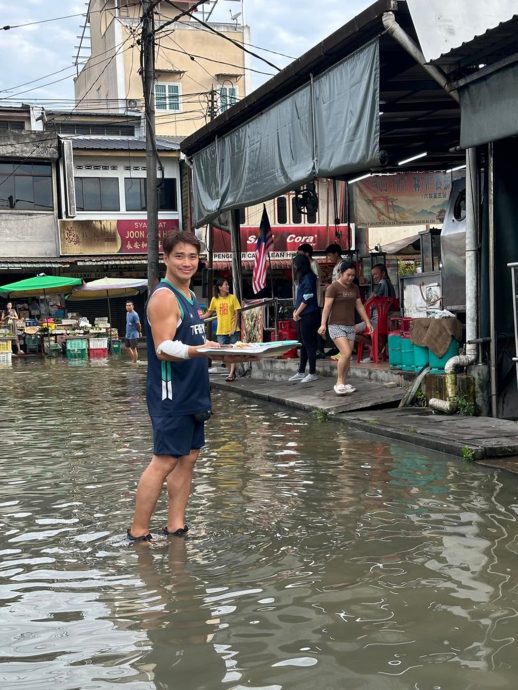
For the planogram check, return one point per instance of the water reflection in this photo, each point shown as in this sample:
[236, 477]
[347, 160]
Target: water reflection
[318, 557]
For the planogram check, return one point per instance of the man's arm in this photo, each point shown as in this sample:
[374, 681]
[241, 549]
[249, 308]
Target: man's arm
[163, 314]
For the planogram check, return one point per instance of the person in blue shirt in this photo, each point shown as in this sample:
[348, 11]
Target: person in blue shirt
[306, 316]
[133, 330]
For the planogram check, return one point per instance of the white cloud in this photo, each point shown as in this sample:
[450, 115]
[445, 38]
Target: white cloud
[290, 27]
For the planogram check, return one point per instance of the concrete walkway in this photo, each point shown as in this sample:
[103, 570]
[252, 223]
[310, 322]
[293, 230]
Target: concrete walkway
[373, 408]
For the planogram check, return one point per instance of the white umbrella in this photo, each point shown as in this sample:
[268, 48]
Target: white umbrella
[108, 287]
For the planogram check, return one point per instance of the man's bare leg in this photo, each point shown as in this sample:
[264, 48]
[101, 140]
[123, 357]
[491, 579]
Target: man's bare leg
[148, 491]
[179, 484]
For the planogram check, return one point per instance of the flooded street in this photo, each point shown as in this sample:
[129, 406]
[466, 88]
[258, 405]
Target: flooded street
[316, 558]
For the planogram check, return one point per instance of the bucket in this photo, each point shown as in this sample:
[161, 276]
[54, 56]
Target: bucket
[407, 353]
[437, 364]
[421, 355]
[394, 350]
[115, 347]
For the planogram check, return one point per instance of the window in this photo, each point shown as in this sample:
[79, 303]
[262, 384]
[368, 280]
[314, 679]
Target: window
[167, 195]
[97, 194]
[167, 97]
[282, 210]
[296, 216]
[12, 125]
[26, 186]
[135, 192]
[227, 97]
[71, 128]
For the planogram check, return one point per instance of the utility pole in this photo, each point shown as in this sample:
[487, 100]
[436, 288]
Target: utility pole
[212, 112]
[148, 83]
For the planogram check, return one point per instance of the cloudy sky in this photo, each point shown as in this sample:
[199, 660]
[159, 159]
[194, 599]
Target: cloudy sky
[37, 59]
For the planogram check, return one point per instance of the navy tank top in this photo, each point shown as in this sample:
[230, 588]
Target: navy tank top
[178, 388]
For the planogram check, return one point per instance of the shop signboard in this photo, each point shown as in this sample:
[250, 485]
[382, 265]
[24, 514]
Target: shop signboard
[401, 199]
[287, 238]
[98, 237]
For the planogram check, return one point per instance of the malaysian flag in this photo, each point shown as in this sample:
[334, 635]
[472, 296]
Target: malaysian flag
[262, 249]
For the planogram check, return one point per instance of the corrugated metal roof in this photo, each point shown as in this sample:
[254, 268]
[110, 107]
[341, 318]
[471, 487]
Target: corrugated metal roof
[108, 143]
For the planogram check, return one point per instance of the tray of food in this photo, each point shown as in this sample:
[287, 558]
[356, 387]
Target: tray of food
[273, 349]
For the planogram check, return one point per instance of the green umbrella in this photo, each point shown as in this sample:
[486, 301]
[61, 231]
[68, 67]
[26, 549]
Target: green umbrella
[39, 285]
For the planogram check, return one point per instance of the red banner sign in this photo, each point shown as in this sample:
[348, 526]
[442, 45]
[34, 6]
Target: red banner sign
[287, 238]
[133, 234]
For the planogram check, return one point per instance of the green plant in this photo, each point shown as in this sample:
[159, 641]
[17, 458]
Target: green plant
[467, 453]
[466, 407]
[420, 400]
[321, 415]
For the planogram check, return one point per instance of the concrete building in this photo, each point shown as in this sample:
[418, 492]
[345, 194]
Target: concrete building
[28, 190]
[199, 74]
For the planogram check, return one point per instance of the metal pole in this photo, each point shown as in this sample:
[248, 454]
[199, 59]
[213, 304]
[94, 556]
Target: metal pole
[148, 83]
[491, 260]
[235, 239]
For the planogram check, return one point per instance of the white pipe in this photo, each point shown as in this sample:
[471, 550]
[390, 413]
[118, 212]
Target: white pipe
[471, 357]
[404, 40]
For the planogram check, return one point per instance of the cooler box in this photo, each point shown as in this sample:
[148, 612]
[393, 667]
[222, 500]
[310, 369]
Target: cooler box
[5, 346]
[437, 364]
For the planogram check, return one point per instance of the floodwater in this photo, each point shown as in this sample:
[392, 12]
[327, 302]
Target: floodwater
[317, 557]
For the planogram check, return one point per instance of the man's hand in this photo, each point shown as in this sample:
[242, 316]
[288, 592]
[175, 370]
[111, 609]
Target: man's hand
[209, 345]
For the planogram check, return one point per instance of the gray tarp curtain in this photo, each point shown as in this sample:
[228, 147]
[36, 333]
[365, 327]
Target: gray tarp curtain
[488, 108]
[328, 127]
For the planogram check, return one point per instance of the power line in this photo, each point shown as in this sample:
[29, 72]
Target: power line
[227, 38]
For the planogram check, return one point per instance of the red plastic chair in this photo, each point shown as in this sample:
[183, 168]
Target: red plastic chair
[383, 306]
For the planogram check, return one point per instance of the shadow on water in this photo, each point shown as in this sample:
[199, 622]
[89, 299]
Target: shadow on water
[319, 557]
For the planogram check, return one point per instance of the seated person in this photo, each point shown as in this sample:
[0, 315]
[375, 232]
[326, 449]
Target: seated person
[382, 287]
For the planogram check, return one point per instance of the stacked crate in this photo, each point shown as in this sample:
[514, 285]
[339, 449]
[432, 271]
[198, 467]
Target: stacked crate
[77, 348]
[98, 347]
[6, 355]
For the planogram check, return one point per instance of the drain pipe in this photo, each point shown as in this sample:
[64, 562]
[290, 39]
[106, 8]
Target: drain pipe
[449, 405]
[406, 42]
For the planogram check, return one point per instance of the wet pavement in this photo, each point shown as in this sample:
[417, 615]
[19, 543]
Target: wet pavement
[318, 556]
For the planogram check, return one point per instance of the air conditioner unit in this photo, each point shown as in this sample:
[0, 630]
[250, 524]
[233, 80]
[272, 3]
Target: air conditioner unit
[131, 104]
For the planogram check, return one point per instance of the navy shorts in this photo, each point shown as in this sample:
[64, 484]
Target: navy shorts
[177, 436]
[131, 342]
[229, 339]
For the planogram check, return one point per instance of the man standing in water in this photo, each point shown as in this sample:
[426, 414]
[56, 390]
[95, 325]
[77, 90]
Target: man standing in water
[133, 330]
[178, 395]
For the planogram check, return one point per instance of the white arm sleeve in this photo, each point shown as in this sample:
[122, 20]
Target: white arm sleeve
[173, 348]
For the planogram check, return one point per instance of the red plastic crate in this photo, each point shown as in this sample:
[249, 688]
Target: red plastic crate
[98, 352]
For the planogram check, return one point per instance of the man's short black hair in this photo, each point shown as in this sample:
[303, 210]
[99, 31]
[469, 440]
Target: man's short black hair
[334, 249]
[305, 248]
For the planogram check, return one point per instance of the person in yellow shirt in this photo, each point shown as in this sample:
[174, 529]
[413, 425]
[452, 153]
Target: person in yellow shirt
[226, 307]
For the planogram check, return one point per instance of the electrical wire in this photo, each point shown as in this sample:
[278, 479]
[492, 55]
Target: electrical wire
[227, 38]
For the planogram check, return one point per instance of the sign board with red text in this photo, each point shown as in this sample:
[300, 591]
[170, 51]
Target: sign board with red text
[109, 236]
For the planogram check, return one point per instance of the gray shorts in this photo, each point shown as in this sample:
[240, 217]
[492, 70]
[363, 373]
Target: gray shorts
[336, 331]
